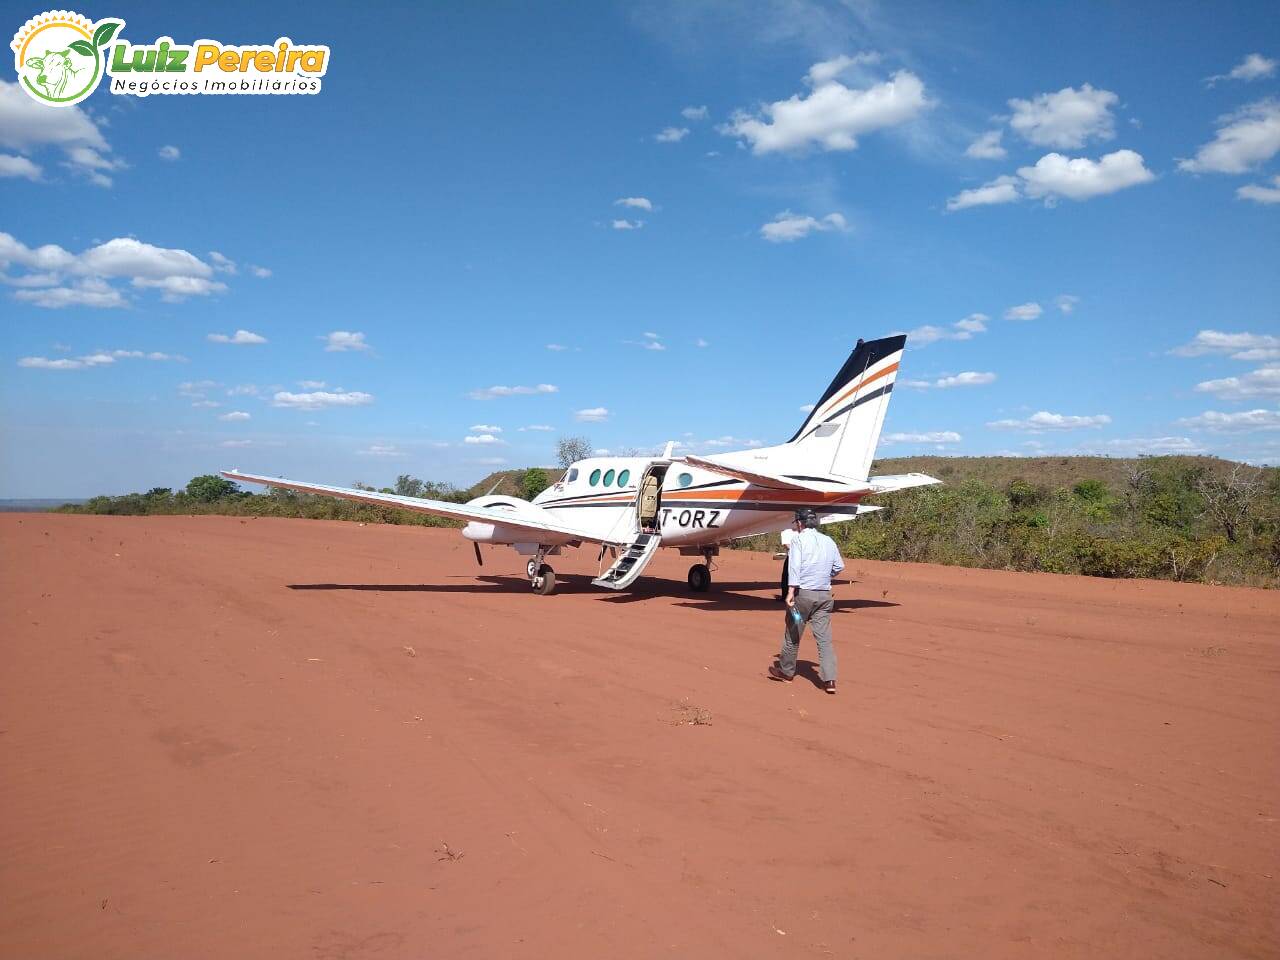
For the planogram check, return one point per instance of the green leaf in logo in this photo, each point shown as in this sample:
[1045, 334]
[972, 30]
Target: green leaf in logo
[102, 36]
[82, 47]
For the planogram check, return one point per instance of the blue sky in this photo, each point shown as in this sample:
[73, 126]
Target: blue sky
[1072, 208]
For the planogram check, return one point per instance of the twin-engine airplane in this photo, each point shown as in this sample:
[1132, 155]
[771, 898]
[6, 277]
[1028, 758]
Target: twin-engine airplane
[634, 505]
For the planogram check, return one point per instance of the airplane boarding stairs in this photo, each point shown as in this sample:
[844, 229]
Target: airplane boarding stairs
[630, 563]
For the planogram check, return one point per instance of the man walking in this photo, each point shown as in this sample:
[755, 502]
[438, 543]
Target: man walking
[811, 563]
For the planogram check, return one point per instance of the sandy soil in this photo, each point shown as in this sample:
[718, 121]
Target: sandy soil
[278, 738]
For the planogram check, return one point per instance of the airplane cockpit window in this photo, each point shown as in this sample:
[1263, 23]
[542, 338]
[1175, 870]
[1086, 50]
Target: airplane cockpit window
[608, 478]
[573, 474]
[685, 479]
[595, 477]
[623, 477]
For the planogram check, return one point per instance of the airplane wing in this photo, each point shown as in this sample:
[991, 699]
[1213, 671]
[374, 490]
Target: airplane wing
[901, 481]
[523, 521]
[738, 473]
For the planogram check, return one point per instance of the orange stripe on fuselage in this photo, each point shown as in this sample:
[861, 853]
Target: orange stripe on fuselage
[859, 385]
[762, 494]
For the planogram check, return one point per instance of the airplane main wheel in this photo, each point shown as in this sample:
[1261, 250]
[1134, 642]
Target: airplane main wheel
[699, 577]
[532, 568]
[545, 582]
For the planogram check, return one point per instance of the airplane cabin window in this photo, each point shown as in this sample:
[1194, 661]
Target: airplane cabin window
[623, 477]
[684, 479]
[595, 477]
[608, 478]
[573, 474]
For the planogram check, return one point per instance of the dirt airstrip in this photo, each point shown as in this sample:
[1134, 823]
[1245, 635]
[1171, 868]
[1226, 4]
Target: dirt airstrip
[280, 738]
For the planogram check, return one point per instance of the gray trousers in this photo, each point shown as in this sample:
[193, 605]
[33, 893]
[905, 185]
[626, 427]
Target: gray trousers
[815, 608]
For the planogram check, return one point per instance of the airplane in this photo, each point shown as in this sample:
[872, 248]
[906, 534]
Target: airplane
[634, 506]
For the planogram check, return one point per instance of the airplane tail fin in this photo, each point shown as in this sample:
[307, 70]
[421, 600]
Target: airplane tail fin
[840, 434]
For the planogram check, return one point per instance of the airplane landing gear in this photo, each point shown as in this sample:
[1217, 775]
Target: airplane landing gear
[541, 577]
[699, 577]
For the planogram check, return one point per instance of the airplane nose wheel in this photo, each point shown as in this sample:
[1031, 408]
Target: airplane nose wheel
[544, 582]
[699, 577]
[532, 568]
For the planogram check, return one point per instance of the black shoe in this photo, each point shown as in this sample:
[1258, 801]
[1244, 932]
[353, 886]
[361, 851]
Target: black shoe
[830, 687]
[776, 674]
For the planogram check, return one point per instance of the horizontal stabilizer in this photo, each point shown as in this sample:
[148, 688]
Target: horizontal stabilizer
[751, 476]
[900, 481]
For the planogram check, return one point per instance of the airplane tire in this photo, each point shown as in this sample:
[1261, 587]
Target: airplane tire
[545, 582]
[699, 577]
[532, 568]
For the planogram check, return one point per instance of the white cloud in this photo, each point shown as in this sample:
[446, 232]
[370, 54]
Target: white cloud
[1044, 421]
[382, 450]
[537, 428]
[787, 226]
[694, 113]
[627, 224]
[482, 439]
[1067, 119]
[969, 378]
[1253, 67]
[1239, 346]
[1138, 446]
[832, 116]
[177, 289]
[89, 292]
[489, 393]
[960, 330]
[11, 166]
[1000, 190]
[937, 436]
[592, 415]
[1246, 138]
[196, 388]
[206, 403]
[239, 337]
[1265, 381]
[485, 428]
[1066, 302]
[26, 126]
[1056, 176]
[318, 400]
[1024, 311]
[1259, 193]
[672, 134]
[987, 147]
[260, 272]
[649, 334]
[638, 203]
[807, 408]
[169, 152]
[221, 263]
[1217, 422]
[97, 359]
[234, 415]
[557, 347]
[306, 385]
[701, 343]
[340, 341]
[82, 280]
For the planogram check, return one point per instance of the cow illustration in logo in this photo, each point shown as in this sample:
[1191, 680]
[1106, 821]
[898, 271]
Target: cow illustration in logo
[58, 55]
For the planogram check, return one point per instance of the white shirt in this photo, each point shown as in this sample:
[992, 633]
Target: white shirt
[813, 560]
[787, 536]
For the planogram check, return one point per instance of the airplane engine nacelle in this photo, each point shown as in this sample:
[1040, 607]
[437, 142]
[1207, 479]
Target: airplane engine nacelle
[495, 531]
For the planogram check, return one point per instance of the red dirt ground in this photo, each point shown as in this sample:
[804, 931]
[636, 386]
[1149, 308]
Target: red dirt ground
[282, 738]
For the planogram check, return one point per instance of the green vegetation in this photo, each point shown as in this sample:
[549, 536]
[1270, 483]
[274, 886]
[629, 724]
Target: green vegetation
[1172, 518]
